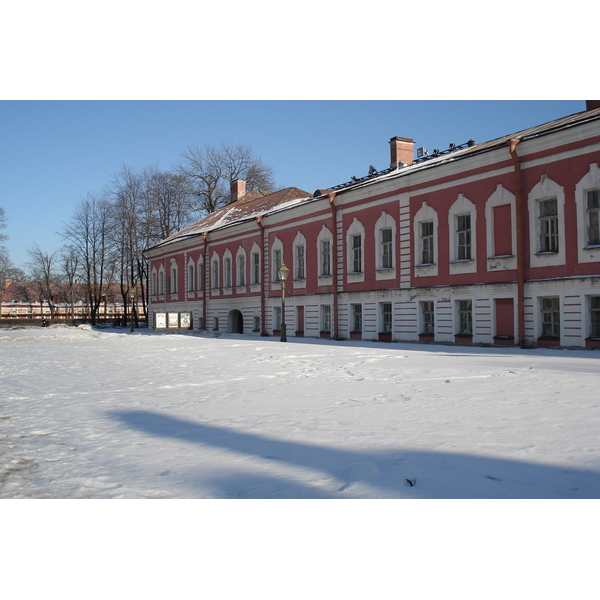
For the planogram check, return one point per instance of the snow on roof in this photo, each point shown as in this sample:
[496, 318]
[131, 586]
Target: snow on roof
[256, 203]
[434, 161]
[249, 206]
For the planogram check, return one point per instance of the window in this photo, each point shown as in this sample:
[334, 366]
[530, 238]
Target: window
[241, 274]
[215, 274]
[326, 317]
[154, 284]
[277, 318]
[386, 249]
[548, 216]
[357, 253]
[465, 317]
[256, 324]
[593, 218]
[428, 316]
[427, 243]
[550, 317]
[300, 271]
[356, 317]
[462, 217]
[227, 272]
[173, 284]
[463, 237]
[255, 267]
[386, 317]
[190, 286]
[216, 324]
[200, 276]
[595, 316]
[325, 258]
[276, 264]
[161, 282]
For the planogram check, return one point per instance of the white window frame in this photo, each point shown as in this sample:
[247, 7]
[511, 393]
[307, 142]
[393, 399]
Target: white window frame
[161, 281]
[277, 318]
[462, 207]
[546, 189]
[325, 235]
[276, 257]
[227, 270]
[174, 284]
[550, 306]
[425, 214]
[426, 325]
[299, 266]
[464, 317]
[356, 228]
[382, 271]
[386, 319]
[586, 252]
[215, 272]
[191, 272]
[354, 314]
[499, 198]
[255, 266]
[594, 316]
[154, 280]
[241, 268]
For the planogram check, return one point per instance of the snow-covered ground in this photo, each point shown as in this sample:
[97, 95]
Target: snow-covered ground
[107, 414]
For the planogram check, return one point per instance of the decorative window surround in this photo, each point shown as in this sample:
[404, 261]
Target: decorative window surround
[425, 214]
[356, 228]
[546, 189]
[462, 207]
[324, 278]
[586, 252]
[383, 271]
[499, 198]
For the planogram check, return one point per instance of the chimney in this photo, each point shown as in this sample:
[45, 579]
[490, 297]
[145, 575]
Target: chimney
[238, 189]
[402, 151]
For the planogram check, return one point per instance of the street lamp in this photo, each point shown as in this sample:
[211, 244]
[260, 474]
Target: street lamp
[132, 294]
[283, 273]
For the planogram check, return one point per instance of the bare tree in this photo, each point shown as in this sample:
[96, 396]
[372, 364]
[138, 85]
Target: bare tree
[70, 263]
[3, 223]
[212, 170]
[168, 205]
[87, 235]
[42, 269]
[127, 191]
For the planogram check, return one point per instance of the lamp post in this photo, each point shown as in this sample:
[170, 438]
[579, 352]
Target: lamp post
[132, 294]
[283, 273]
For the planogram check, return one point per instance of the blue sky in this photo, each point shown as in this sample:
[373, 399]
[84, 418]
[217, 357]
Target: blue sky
[52, 153]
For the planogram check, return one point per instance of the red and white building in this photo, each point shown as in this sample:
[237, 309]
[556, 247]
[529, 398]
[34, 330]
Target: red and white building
[492, 243]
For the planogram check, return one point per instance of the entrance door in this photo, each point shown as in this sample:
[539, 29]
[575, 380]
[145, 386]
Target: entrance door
[300, 320]
[235, 322]
[505, 321]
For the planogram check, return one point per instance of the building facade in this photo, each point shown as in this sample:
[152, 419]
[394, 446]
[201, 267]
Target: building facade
[491, 243]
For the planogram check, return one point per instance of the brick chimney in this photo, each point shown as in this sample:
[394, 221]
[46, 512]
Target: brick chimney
[238, 189]
[402, 151]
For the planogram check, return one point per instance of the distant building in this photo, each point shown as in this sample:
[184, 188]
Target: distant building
[490, 243]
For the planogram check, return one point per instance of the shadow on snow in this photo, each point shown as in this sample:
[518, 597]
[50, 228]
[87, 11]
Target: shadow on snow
[338, 473]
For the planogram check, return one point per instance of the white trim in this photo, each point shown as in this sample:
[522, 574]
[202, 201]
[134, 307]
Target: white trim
[591, 181]
[545, 189]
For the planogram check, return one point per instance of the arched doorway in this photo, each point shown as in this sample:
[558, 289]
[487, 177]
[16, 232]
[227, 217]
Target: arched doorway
[235, 322]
